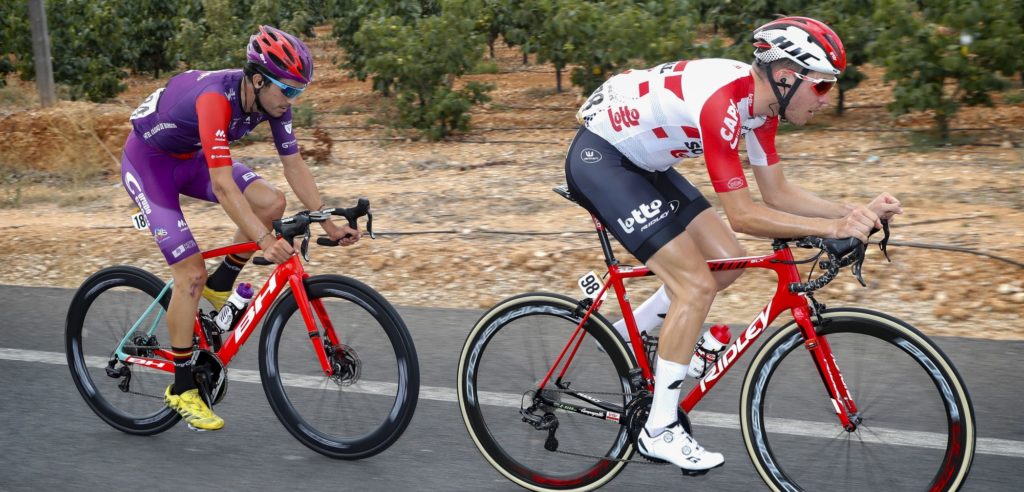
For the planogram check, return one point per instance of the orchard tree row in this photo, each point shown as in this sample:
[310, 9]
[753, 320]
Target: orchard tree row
[940, 54]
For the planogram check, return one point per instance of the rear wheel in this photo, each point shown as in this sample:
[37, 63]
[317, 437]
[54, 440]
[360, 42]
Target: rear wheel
[366, 405]
[916, 422]
[541, 445]
[103, 311]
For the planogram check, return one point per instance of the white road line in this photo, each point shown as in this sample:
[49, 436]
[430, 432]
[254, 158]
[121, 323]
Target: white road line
[986, 445]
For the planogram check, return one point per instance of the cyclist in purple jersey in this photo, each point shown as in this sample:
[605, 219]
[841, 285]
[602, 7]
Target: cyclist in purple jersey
[179, 145]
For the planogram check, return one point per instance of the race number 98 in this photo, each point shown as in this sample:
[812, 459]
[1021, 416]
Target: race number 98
[591, 284]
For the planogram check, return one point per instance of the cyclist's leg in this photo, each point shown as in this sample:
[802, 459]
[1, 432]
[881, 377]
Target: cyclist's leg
[149, 178]
[265, 200]
[714, 239]
[648, 213]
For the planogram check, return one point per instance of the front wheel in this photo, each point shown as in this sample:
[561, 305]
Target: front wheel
[368, 401]
[916, 426]
[539, 442]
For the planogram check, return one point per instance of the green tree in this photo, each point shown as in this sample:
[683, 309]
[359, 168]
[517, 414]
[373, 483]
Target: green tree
[422, 59]
[151, 23]
[352, 14]
[15, 38]
[91, 44]
[943, 56]
[214, 40]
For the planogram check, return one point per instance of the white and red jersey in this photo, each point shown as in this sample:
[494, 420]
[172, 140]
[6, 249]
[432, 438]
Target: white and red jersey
[676, 110]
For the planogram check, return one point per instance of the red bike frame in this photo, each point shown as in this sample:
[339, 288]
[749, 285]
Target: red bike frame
[781, 262]
[288, 273]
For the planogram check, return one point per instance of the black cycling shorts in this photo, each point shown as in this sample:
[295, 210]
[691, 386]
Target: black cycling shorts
[644, 210]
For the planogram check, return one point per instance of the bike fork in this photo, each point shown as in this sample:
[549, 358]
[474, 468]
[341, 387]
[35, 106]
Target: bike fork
[302, 299]
[831, 376]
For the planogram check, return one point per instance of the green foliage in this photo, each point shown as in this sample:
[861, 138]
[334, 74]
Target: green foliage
[419, 57]
[91, 44]
[945, 55]
[215, 40]
[352, 14]
[150, 24]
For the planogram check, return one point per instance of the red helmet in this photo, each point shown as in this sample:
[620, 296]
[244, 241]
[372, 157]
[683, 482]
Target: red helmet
[280, 54]
[807, 42]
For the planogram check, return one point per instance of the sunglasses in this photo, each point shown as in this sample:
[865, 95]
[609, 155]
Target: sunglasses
[288, 91]
[820, 86]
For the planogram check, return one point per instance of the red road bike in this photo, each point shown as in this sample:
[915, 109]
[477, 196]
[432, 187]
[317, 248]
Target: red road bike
[836, 399]
[336, 361]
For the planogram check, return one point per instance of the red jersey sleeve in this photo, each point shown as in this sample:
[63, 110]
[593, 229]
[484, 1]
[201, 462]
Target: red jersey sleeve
[213, 113]
[720, 130]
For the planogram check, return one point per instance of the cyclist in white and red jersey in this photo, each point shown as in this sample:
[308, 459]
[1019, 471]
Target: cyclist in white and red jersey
[619, 166]
[179, 145]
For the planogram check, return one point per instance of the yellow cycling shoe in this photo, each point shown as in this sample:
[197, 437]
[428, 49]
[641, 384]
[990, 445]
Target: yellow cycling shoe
[193, 409]
[217, 298]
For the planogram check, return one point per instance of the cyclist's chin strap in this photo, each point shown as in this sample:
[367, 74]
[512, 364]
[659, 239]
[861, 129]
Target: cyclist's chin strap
[783, 99]
[256, 95]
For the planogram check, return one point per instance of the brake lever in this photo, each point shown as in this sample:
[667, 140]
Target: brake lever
[858, 263]
[304, 249]
[885, 240]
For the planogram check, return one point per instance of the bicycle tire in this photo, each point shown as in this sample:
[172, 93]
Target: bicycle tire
[490, 401]
[356, 421]
[918, 428]
[102, 311]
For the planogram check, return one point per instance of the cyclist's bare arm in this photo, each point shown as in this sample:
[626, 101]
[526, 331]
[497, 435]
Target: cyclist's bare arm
[300, 179]
[781, 194]
[753, 218]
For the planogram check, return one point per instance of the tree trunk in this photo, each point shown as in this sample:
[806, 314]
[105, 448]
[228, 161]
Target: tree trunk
[558, 79]
[840, 100]
[942, 124]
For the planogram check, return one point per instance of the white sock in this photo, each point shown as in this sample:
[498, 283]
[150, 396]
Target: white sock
[666, 399]
[647, 315]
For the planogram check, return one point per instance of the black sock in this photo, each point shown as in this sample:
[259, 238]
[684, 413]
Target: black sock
[225, 275]
[183, 378]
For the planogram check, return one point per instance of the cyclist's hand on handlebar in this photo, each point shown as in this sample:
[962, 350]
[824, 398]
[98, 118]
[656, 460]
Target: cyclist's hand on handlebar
[277, 251]
[857, 223]
[885, 206]
[344, 234]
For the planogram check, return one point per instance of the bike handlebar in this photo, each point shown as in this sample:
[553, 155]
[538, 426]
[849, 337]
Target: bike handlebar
[841, 252]
[297, 225]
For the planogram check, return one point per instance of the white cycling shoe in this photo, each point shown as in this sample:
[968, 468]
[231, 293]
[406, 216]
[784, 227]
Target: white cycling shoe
[675, 446]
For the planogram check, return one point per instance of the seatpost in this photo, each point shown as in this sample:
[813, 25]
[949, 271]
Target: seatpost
[606, 245]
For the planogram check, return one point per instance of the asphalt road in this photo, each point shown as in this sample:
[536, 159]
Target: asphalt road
[51, 440]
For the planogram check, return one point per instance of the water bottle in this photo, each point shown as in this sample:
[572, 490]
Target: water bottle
[235, 304]
[709, 345]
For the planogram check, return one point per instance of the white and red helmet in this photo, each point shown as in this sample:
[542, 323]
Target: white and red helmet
[807, 42]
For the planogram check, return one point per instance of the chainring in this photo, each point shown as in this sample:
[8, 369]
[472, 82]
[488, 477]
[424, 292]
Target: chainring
[211, 376]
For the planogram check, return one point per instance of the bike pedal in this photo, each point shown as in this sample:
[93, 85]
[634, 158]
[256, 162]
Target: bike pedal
[196, 429]
[697, 473]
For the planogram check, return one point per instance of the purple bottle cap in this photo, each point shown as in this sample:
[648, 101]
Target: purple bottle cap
[245, 290]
